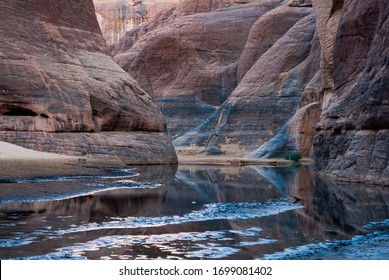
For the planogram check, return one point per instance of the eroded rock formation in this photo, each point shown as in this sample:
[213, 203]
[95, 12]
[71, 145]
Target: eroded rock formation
[271, 79]
[60, 91]
[353, 132]
[351, 137]
[188, 62]
[220, 66]
[116, 17]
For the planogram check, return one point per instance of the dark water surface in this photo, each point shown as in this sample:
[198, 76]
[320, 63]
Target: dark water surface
[193, 212]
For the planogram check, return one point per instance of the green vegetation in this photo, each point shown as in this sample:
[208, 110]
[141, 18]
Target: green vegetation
[293, 155]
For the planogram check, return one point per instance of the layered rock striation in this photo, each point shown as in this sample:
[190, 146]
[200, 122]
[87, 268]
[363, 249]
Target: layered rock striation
[187, 59]
[61, 92]
[116, 17]
[271, 79]
[352, 136]
[347, 116]
[218, 69]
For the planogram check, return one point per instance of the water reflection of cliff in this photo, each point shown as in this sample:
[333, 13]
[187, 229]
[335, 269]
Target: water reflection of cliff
[330, 211]
[335, 210]
[130, 198]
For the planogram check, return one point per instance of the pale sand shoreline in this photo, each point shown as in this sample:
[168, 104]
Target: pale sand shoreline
[13, 152]
[16, 161]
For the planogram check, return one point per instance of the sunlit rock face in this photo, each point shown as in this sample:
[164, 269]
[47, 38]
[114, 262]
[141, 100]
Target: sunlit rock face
[353, 132]
[60, 91]
[116, 17]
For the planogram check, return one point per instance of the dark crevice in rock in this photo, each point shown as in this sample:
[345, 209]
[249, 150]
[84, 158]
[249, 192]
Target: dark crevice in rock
[20, 112]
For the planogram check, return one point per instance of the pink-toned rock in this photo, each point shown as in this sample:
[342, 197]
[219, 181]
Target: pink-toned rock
[189, 7]
[116, 17]
[296, 135]
[246, 87]
[262, 37]
[268, 94]
[328, 14]
[61, 92]
[188, 63]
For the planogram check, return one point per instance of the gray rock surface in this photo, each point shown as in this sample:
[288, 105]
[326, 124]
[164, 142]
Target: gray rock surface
[353, 133]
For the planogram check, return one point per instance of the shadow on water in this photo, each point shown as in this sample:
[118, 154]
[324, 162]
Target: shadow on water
[187, 212]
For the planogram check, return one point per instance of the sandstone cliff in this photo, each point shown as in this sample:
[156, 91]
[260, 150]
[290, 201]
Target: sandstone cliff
[196, 64]
[267, 96]
[116, 17]
[61, 92]
[353, 133]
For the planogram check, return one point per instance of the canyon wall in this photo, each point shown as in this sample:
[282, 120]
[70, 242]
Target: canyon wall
[220, 71]
[60, 91]
[352, 136]
[116, 17]
[232, 77]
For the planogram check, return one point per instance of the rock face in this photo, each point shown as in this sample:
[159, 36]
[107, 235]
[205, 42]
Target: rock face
[61, 92]
[328, 14]
[187, 59]
[272, 80]
[353, 132]
[295, 136]
[218, 70]
[116, 17]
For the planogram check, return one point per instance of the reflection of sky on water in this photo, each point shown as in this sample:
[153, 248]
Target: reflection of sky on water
[198, 245]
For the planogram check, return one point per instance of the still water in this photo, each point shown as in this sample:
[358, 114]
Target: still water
[193, 212]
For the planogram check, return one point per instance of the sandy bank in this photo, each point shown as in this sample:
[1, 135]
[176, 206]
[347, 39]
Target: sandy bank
[16, 161]
[12, 152]
[233, 161]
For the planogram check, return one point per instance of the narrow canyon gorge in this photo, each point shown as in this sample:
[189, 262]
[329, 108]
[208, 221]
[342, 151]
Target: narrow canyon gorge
[242, 78]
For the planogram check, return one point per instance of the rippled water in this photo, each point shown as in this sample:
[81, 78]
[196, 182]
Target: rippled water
[194, 212]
